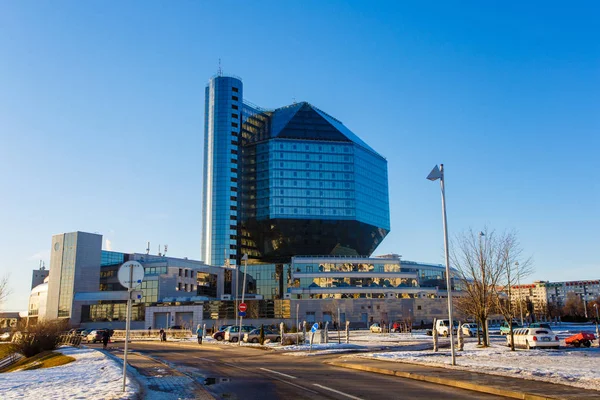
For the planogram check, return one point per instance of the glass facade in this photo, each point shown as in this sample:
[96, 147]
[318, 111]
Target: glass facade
[223, 119]
[285, 182]
[111, 258]
[67, 274]
[256, 309]
[111, 312]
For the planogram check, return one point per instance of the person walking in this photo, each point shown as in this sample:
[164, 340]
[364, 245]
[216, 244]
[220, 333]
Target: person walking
[105, 339]
[161, 334]
[199, 333]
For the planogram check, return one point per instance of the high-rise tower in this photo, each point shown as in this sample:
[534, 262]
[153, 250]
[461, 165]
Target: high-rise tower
[222, 124]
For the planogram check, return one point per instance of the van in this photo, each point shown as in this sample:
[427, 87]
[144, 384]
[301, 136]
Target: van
[442, 327]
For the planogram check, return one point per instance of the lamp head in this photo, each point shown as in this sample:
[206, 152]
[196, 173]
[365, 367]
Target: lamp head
[435, 174]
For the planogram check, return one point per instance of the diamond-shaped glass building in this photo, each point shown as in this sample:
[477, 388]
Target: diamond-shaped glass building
[286, 182]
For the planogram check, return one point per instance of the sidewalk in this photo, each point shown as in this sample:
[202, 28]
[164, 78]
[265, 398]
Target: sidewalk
[160, 381]
[485, 383]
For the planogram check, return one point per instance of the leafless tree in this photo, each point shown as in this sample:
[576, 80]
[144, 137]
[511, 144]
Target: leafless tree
[4, 288]
[573, 306]
[481, 259]
[515, 269]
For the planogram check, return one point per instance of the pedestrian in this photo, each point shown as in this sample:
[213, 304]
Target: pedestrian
[164, 336]
[199, 333]
[105, 339]
[161, 334]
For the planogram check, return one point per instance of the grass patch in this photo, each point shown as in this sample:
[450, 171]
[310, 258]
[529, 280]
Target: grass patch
[5, 350]
[47, 359]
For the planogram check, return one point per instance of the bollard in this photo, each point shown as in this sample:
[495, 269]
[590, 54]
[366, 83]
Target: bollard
[304, 332]
[347, 332]
[204, 331]
[326, 333]
[434, 333]
[281, 331]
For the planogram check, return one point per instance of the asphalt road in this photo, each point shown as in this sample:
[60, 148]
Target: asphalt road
[231, 372]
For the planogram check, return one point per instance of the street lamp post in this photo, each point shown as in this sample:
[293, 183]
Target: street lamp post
[435, 174]
[245, 258]
[519, 284]
[597, 332]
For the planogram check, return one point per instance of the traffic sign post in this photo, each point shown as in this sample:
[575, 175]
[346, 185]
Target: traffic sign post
[312, 335]
[242, 307]
[241, 313]
[130, 275]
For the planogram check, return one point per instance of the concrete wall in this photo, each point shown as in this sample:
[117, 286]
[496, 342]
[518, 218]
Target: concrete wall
[172, 315]
[56, 252]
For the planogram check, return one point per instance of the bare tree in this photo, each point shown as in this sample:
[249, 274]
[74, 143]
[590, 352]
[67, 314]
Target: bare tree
[4, 289]
[513, 271]
[573, 306]
[481, 259]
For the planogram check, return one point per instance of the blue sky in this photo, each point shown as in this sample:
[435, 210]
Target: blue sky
[101, 116]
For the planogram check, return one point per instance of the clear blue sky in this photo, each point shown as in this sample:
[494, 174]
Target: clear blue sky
[101, 116]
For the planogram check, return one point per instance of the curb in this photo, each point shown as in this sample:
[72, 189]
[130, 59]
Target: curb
[444, 381]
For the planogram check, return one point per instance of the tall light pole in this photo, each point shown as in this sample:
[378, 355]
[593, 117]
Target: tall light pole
[597, 333]
[519, 284]
[245, 258]
[435, 174]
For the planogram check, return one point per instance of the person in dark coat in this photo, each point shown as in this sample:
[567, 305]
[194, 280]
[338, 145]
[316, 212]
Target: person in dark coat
[161, 335]
[105, 339]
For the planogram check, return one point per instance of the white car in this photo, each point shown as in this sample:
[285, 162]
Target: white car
[469, 329]
[375, 328]
[531, 338]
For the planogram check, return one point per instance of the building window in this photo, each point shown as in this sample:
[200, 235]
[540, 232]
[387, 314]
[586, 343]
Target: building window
[234, 98]
[234, 89]
[233, 106]
[234, 116]
[180, 271]
[234, 124]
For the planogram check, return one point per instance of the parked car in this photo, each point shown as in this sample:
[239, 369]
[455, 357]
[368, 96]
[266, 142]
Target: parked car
[232, 333]
[531, 338]
[469, 329]
[505, 328]
[443, 327]
[220, 334]
[375, 328]
[95, 336]
[254, 335]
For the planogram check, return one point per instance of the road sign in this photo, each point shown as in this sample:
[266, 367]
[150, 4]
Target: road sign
[314, 327]
[241, 313]
[131, 269]
[243, 307]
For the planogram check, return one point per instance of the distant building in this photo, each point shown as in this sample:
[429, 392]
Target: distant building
[83, 286]
[539, 294]
[38, 276]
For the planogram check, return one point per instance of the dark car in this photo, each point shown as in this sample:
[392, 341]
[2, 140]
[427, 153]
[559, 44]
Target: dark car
[220, 334]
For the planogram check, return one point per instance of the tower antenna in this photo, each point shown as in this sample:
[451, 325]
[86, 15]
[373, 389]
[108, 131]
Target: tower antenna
[220, 70]
[148, 248]
[166, 247]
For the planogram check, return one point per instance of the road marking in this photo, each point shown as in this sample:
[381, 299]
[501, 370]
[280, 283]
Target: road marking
[293, 384]
[337, 391]
[205, 359]
[179, 354]
[278, 373]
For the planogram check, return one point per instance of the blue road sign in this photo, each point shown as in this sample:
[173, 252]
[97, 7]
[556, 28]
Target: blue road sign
[314, 328]
[241, 313]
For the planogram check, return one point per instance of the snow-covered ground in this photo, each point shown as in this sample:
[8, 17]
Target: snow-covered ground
[91, 376]
[568, 365]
